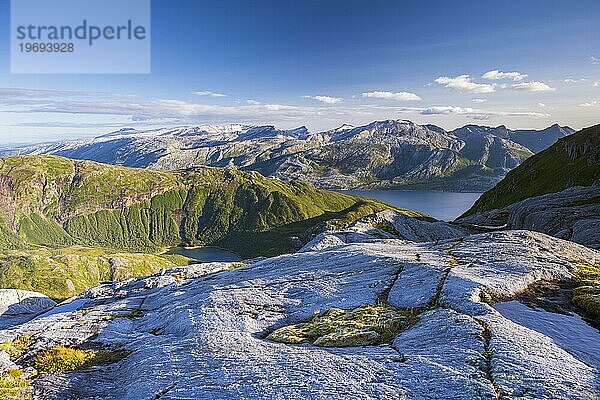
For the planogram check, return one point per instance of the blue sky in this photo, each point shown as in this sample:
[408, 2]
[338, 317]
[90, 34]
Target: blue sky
[525, 64]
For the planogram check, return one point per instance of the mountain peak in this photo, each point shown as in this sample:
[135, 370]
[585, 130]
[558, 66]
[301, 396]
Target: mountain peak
[119, 132]
[343, 127]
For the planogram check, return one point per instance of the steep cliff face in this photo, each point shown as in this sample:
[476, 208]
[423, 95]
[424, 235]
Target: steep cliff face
[493, 151]
[53, 201]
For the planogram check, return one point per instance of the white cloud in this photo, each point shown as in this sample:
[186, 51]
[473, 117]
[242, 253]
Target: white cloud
[66, 124]
[595, 60]
[463, 83]
[521, 114]
[445, 110]
[157, 109]
[325, 99]
[182, 112]
[479, 100]
[44, 93]
[533, 86]
[498, 75]
[397, 96]
[594, 103]
[209, 93]
[541, 105]
[596, 84]
[570, 80]
[279, 107]
[479, 114]
[117, 111]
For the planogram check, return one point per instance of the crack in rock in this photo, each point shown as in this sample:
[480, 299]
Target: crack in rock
[384, 295]
[164, 391]
[488, 352]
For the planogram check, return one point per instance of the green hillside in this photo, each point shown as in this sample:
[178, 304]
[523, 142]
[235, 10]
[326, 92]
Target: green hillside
[54, 201]
[572, 161]
[64, 272]
[63, 221]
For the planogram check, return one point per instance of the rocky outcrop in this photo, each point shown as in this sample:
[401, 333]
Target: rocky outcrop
[387, 224]
[204, 334]
[573, 214]
[18, 306]
[556, 192]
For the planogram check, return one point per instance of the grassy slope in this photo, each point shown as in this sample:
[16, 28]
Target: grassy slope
[54, 201]
[572, 161]
[62, 273]
[50, 202]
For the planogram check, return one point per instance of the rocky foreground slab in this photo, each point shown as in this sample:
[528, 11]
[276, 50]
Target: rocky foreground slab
[572, 214]
[200, 332]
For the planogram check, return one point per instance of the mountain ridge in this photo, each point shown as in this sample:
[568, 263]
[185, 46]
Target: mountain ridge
[388, 153]
[67, 225]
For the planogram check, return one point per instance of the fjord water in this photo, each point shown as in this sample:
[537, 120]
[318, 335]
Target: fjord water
[205, 254]
[445, 206]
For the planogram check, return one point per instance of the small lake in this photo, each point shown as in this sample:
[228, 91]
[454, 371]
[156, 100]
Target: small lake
[570, 332]
[205, 254]
[445, 206]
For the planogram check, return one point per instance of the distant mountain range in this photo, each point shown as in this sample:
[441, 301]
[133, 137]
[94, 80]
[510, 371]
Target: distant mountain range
[391, 153]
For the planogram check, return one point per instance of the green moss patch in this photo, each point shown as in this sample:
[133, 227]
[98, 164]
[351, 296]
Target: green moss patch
[387, 227]
[361, 326]
[39, 230]
[587, 293]
[63, 359]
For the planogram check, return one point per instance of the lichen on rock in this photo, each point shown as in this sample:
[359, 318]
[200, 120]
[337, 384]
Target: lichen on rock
[17, 347]
[587, 294]
[362, 326]
[62, 359]
[13, 385]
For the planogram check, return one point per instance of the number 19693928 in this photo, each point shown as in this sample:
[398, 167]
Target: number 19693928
[47, 47]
